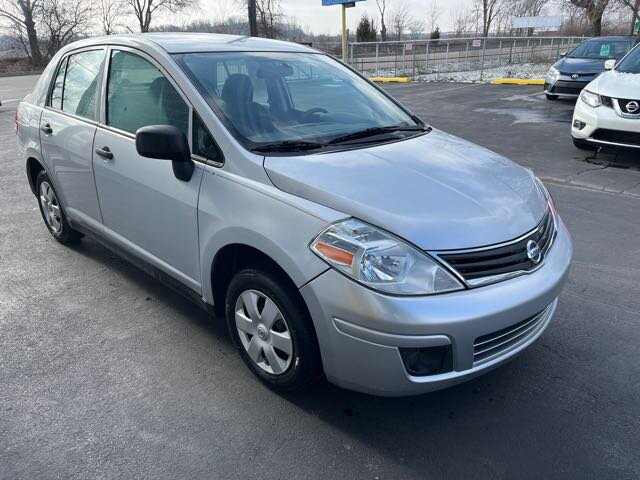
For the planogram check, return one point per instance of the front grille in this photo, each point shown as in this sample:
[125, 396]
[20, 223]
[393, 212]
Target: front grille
[617, 136]
[623, 104]
[569, 88]
[479, 266]
[492, 344]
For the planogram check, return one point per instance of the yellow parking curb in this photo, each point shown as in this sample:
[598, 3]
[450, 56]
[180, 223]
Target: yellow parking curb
[390, 79]
[518, 81]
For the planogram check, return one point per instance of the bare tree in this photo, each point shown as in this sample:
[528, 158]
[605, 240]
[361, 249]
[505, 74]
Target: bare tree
[594, 11]
[269, 15]
[145, 10]
[634, 5]
[21, 16]
[400, 19]
[460, 19]
[64, 21]
[433, 14]
[111, 13]
[382, 8]
[490, 10]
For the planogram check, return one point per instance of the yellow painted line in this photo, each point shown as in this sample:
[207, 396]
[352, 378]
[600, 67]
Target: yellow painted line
[390, 79]
[518, 81]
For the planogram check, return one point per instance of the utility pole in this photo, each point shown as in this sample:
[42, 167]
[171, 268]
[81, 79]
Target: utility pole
[253, 22]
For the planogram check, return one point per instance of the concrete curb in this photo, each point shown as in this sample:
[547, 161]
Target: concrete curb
[518, 81]
[390, 79]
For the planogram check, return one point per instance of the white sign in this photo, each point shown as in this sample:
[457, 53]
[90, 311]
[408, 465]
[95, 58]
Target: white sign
[537, 22]
[477, 43]
[408, 47]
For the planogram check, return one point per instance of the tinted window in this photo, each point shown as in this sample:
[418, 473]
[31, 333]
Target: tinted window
[274, 97]
[138, 95]
[81, 82]
[601, 49]
[203, 143]
[56, 93]
[631, 63]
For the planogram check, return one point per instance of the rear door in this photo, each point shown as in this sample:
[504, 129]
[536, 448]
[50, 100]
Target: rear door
[145, 208]
[67, 127]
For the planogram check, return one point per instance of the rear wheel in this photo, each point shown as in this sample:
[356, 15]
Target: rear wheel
[584, 145]
[551, 97]
[272, 330]
[51, 210]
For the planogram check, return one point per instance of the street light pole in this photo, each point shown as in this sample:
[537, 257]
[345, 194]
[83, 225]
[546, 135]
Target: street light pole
[344, 33]
[253, 22]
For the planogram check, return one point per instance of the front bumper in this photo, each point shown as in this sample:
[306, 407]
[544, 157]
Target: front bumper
[360, 331]
[604, 127]
[566, 86]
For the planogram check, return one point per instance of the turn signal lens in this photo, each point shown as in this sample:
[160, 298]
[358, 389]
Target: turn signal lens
[334, 253]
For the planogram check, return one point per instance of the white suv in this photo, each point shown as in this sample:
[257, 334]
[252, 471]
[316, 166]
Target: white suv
[608, 111]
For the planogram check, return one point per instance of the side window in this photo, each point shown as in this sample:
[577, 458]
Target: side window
[138, 95]
[203, 143]
[56, 94]
[81, 83]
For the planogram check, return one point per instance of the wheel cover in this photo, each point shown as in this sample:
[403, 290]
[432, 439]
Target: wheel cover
[50, 207]
[264, 332]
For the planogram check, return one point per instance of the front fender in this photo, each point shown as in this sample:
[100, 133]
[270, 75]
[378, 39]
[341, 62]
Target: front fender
[237, 211]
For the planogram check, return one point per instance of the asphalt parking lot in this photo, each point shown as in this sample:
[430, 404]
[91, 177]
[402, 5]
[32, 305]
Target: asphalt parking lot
[106, 373]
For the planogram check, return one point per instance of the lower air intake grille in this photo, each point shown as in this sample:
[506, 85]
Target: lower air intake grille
[495, 343]
[617, 136]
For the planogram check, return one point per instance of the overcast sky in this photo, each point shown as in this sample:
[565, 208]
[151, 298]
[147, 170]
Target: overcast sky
[311, 15]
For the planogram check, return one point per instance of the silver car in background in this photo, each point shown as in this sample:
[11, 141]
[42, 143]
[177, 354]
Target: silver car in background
[339, 234]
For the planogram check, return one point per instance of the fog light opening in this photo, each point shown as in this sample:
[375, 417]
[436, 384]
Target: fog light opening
[579, 125]
[420, 362]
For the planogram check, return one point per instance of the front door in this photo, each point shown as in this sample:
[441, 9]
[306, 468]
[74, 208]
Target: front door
[144, 206]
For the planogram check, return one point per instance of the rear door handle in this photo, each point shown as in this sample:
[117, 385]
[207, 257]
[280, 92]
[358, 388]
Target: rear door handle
[105, 152]
[46, 128]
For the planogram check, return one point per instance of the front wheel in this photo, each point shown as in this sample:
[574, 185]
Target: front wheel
[272, 329]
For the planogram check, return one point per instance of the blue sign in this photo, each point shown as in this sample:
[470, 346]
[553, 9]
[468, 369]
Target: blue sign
[326, 3]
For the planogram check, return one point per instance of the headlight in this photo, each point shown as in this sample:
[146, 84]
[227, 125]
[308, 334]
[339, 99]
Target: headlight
[381, 261]
[553, 75]
[590, 98]
[543, 189]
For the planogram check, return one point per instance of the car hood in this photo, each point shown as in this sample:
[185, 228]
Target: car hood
[617, 85]
[435, 190]
[583, 66]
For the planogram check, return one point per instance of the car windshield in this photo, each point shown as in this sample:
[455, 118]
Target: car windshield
[631, 63]
[601, 49]
[294, 100]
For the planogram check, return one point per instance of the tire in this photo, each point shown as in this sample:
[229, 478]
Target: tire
[52, 212]
[253, 294]
[583, 145]
[551, 97]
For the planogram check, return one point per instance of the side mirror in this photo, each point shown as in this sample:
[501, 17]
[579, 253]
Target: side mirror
[609, 64]
[166, 142]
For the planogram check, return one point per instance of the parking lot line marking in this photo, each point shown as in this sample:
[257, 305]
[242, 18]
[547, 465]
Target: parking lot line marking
[424, 94]
[10, 100]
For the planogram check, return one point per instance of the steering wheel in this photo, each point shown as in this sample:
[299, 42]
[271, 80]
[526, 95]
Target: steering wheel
[306, 115]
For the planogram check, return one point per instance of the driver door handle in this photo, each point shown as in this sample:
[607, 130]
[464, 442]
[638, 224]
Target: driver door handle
[46, 128]
[105, 153]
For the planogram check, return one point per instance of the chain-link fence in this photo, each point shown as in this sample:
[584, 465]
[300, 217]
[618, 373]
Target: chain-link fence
[460, 59]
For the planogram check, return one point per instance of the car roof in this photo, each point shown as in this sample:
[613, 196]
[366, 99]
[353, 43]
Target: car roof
[630, 38]
[183, 42]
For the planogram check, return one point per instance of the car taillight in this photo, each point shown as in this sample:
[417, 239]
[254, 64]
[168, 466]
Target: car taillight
[16, 121]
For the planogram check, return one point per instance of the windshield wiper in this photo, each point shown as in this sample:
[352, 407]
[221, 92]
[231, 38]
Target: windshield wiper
[287, 146]
[374, 131]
